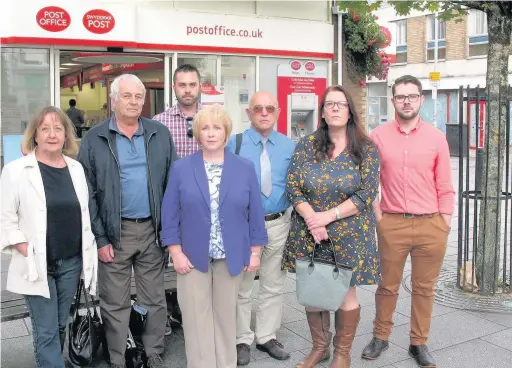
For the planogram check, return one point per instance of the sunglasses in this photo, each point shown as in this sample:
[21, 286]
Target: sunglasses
[259, 109]
[190, 133]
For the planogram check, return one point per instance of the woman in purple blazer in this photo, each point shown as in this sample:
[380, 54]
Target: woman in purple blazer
[213, 223]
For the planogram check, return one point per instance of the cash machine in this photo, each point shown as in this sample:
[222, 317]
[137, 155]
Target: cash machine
[302, 114]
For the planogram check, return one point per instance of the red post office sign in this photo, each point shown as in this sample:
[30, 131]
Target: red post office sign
[99, 21]
[53, 19]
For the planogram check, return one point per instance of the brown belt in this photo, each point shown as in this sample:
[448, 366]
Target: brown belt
[412, 215]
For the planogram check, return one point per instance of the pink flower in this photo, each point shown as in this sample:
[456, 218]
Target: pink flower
[356, 19]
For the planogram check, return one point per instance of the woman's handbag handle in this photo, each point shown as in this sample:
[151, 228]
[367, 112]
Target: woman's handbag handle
[335, 271]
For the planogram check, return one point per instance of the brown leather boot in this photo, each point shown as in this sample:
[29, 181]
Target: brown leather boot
[319, 325]
[346, 325]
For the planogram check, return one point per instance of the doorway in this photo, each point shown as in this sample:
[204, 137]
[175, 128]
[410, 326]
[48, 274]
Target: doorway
[85, 78]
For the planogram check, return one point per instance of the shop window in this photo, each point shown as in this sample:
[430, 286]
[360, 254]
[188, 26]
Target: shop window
[25, 90]
[206, 64]
[401, 42]
[431, 39]
[478, 40]
[238, 79]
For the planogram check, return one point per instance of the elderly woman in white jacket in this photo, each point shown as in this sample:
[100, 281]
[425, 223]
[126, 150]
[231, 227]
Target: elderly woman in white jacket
[46, 229]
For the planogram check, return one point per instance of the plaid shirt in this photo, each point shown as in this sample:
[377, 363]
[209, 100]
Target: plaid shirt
[176, 122]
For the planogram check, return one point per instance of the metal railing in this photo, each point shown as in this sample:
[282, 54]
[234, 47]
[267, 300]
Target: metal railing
[484, 191]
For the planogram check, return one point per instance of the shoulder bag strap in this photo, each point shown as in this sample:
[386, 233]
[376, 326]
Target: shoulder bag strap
[238, 139]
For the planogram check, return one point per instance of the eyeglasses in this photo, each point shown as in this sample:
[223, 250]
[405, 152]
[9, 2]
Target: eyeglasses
[190, 133]
[342, 105]
[411, 98]
[259, 109]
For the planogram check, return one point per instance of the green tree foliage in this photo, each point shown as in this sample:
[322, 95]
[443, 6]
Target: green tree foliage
[499, 23]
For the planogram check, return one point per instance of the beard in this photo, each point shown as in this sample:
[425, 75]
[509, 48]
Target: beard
[184, 102]
[409, 115]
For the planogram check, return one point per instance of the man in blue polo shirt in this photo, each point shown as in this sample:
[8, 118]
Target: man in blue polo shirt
[127, 160]
[271, 153]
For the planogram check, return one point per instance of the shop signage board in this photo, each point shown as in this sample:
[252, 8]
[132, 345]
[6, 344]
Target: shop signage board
[212, 95]
[158, 26]
[306, 78]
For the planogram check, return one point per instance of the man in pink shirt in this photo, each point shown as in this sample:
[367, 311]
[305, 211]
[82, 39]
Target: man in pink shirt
[413, 216]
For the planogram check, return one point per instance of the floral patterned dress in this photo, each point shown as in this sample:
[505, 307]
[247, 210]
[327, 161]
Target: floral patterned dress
[214, 175]
[324, 185]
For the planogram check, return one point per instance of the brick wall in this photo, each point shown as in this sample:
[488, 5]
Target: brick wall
[416, 37]
[456, 39]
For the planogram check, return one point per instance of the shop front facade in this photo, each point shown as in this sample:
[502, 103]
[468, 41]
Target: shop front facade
[53, 52]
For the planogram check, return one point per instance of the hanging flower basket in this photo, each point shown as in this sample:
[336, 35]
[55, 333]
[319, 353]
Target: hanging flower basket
[365, 40]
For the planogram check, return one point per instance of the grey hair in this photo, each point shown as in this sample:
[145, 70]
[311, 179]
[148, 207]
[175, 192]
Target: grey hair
[114, 87]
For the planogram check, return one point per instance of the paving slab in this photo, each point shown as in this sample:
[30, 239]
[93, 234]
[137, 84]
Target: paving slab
[504, 319]
[12, 329]
[18, 352]
[448, 330]
[502, 339]
[291, 341]
[295, 357]
[291, 300]
[291, 314]
[471, 354]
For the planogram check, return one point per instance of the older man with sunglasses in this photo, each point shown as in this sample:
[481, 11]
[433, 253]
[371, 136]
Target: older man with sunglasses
[271, 153]
[178, 119]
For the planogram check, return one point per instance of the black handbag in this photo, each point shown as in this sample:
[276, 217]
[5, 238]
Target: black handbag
[85, 332]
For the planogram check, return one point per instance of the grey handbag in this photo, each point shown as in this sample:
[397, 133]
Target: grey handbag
[321, 284]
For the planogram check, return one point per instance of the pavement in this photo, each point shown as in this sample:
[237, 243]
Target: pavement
[458, 338]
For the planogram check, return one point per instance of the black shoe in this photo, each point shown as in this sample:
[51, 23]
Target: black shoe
[373, 350]
[243, 354]
[422, 356]
[176, 318]
[275, 349]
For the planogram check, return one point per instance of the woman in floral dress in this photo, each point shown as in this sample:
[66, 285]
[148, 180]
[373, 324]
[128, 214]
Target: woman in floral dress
[333, 180]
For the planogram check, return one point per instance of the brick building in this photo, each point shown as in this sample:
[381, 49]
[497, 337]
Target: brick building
[462, 60]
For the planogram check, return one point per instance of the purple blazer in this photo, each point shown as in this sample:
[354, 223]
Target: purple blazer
[186, 217]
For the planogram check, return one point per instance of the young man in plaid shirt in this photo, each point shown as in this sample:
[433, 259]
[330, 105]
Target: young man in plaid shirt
[178, 119]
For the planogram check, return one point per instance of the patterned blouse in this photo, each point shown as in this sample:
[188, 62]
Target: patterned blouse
[214, 174]
[324, 185]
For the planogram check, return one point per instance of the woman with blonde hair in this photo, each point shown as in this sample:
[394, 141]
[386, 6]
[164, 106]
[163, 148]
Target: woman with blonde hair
[46, 229]
[213, 223]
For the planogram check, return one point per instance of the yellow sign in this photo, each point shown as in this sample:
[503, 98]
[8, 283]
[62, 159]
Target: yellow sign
[435, 76]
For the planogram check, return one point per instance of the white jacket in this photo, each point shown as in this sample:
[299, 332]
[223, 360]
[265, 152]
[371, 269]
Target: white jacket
[23, 219]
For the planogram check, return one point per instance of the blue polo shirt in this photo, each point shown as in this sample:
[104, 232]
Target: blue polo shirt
[280, 150]
[134, 179]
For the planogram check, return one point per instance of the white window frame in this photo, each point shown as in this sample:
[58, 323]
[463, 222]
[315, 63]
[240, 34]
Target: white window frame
[431, 37]
[477, 16]
[475, 37]
[401, 42]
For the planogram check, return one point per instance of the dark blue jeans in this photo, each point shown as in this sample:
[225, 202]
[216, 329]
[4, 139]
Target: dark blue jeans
[49, 316]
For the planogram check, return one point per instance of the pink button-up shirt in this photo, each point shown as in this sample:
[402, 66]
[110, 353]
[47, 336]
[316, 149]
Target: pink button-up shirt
[415, 175]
